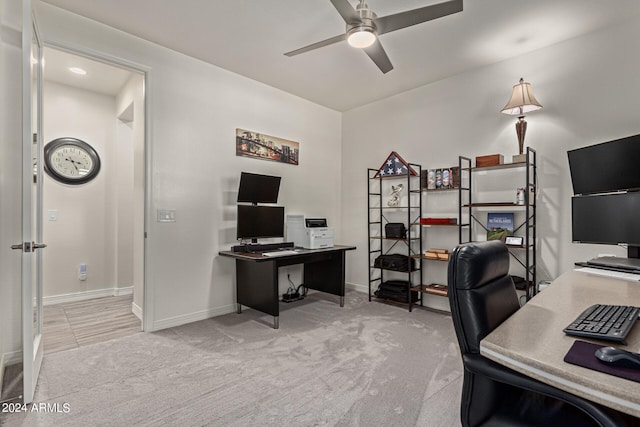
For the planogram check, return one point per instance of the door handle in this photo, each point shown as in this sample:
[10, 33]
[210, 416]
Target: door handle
[29, 247]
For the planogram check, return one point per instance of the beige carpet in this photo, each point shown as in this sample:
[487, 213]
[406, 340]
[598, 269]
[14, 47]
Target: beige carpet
[367, 364]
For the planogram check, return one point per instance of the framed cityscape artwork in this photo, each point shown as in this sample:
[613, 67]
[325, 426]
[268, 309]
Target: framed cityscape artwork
[266, 147]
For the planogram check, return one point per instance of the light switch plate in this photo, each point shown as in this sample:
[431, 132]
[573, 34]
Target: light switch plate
[166, 215]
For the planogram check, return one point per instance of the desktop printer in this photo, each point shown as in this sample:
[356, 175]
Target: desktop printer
[309, 233]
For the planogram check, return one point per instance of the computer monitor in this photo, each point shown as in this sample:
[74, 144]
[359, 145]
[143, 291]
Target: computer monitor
[258, 222]
[256, 188]
[609, 166]
[610, 219]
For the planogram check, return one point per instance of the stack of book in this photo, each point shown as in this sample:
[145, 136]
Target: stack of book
[439, 254]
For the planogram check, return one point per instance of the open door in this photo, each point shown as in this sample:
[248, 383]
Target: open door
[31, 245]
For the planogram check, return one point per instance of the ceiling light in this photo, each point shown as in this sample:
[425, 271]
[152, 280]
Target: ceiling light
[361, 37]
[78, 71]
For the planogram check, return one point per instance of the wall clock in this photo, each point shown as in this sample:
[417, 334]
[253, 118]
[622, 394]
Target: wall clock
[71, 161]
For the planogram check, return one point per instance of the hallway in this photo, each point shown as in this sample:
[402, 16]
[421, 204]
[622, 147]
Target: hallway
[81, 323]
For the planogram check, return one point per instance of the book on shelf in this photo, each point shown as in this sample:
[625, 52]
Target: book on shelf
[438, 221]
[437, 289]
[499, 225]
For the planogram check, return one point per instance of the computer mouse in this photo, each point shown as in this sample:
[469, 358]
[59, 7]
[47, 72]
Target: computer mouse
[618, 357]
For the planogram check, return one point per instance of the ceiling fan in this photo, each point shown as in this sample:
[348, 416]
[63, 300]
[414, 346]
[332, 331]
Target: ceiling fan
[364, 27]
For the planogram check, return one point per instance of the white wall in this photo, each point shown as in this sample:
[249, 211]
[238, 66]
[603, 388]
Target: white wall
[131, 112]
[120, 205]
[587, 87]
[194, 109]
[87, 222]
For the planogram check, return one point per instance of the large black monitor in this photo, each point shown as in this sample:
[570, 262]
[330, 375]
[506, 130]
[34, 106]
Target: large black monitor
[256, 188]
[605, 167]
[257, 222]
[610, 219]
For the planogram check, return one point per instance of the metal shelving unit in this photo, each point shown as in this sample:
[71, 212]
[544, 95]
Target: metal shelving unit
[379, 215]
[435, 288]
[524, 254]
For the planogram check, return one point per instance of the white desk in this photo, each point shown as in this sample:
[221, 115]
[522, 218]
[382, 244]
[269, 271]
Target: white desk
[531, 341]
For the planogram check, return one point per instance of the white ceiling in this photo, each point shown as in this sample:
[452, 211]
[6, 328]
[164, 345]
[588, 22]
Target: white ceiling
[100, 77]
[249, 37]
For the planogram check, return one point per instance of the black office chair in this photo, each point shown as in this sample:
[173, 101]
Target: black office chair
[482, 296]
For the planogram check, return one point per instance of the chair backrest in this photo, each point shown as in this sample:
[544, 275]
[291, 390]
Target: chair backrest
[481, 292]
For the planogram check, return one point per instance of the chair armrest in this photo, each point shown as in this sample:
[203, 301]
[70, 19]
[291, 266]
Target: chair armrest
[478, 364]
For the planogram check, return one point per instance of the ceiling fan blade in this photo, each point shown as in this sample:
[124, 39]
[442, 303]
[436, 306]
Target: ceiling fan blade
[317, 45]
[379, 56]
[347, 11]
[386, 24]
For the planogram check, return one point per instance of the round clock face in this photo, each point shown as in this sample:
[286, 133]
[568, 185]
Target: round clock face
[71, 161]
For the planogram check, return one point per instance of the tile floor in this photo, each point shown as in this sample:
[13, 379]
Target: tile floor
[77, 324]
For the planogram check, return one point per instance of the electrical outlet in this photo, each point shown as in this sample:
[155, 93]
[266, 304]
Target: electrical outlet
[82, 272]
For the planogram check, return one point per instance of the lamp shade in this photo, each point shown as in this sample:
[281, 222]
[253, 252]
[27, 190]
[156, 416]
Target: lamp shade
[522, 100]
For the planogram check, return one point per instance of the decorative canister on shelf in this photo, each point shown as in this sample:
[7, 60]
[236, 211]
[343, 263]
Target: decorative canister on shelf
[431, 179]
[445, 178]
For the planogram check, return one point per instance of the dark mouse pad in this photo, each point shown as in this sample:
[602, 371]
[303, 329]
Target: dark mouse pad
[582, 353]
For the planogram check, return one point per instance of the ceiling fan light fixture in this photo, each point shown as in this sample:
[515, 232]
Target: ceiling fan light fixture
[363, 27]
[361, 37]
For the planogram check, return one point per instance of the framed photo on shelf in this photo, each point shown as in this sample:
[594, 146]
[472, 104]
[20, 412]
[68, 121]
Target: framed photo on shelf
[514, 240]
[499, 225]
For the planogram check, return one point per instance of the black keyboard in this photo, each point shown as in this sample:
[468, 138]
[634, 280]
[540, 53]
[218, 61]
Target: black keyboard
[604, 322]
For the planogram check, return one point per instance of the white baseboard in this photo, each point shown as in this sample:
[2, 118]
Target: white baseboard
[80, 296]
[11, 358]
[192, 317]
[357, 287]
[206, 314]
[436, 302]
[8, 359]
[136, 310]
[1, 371]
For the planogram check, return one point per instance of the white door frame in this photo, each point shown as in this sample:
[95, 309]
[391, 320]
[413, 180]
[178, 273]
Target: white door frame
[147, 309]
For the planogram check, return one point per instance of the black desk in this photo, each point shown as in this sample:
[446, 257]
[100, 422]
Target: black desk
[257, 276]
